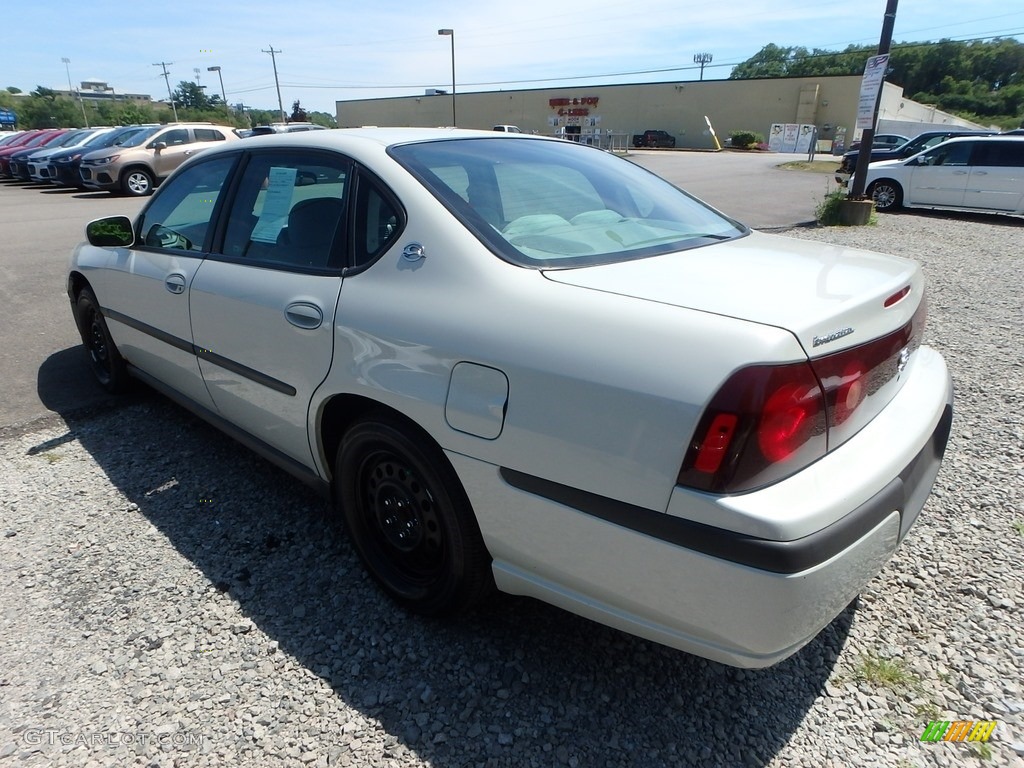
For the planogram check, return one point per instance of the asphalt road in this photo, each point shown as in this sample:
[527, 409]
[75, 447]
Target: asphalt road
[41, 361]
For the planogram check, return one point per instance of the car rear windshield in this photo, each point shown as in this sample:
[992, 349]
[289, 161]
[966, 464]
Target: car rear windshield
[555, 204]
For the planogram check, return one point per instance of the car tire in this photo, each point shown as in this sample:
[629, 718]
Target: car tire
[137, 182]
[409, 519]
[887, 194]
[105, 361]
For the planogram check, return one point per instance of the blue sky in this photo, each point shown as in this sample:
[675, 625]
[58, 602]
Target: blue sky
[335, 50]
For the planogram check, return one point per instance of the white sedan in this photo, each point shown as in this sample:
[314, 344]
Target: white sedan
[523, 363]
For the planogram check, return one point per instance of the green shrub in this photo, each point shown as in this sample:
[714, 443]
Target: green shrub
[744, 139]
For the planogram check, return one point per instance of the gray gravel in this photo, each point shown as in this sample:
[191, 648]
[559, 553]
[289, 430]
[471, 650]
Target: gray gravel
[168, 599]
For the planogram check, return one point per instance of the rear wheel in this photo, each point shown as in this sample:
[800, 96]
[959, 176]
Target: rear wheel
[887, 194]
[409, 518]
[137, 182]
[105, 361]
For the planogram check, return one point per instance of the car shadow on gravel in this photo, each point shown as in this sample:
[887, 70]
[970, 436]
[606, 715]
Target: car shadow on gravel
[514, 683]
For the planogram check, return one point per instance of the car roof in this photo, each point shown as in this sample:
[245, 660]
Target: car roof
[384, 137]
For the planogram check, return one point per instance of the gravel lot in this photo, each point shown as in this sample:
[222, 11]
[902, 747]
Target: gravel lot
[168, 599]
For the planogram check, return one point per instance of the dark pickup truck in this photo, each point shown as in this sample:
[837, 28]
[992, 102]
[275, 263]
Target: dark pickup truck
[654, 139]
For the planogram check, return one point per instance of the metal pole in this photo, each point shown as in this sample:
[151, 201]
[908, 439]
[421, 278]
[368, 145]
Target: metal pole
[451, 33]
[280, 104]
[223, 95]
[81, 101]
[867, 137]
[167, 79]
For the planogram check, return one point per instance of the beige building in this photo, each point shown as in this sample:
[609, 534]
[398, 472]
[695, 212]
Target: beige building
[611, 114]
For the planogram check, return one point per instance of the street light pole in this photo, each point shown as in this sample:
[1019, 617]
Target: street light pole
[451, 33]
[223, 95]
[702, 59]
[81, 101]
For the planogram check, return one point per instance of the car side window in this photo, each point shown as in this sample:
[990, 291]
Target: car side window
[173, 138]
[178, 216]
[289, 211]
[1000, 154]
[952, 154]
[378, 221]
[208, 134]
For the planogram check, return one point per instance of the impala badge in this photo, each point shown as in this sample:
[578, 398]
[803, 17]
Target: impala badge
[830, 337]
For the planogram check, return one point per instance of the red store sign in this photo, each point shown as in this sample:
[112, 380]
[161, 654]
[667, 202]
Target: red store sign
[573, 107]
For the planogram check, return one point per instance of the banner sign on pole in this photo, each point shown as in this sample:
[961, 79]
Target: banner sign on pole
[870, 84]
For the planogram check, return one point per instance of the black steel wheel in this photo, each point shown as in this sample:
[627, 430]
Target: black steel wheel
[409, 518]
[887, 194]
[105, 361]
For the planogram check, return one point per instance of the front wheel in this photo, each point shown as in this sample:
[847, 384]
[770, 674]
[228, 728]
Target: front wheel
[409, 518]
[137, 182]
[887, 194]
[105, 361]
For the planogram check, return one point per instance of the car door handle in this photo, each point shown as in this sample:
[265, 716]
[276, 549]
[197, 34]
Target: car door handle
[981, 173]
[175, 283]
[302, 314]
[959, 173]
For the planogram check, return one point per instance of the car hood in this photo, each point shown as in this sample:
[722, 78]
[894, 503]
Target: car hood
[830, 297]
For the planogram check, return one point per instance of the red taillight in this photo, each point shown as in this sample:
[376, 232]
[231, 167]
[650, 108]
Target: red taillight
[787, 420]
[762, 421]
[896, 297]
[716, 442]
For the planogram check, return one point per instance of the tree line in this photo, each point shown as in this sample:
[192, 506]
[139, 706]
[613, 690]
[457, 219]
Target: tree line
[981, 81]
[45, 108]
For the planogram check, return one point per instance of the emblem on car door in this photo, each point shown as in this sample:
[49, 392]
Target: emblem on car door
[413, 252]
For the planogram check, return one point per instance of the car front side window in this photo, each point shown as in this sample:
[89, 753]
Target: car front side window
[179, 215]
[289, 211]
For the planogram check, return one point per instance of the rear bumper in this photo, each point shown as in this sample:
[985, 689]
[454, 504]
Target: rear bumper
[752, 578]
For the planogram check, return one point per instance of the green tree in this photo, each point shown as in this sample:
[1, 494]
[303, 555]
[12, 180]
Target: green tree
[190, 96]
[323, 118]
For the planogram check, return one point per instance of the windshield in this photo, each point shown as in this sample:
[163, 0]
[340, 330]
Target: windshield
[556, 204]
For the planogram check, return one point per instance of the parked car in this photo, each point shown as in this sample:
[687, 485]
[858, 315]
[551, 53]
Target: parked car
[654, 139]
[978, 174]
[63, 167]
[143, 161]
[524, 362]
[917, 144]
[34, 164]
[883, 141]
[506, 129]
[272, 128]
[30, 139]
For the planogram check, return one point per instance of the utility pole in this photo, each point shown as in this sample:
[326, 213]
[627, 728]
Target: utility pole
[867, 137]
[167, 79]
[702, 59]
[280, 104]
[81, 101]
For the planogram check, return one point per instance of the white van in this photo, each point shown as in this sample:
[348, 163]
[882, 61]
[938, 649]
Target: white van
[975, 173]
[507, 128]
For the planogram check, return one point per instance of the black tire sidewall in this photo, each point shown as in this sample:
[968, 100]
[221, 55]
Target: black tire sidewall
[112, 376]
[452, 589]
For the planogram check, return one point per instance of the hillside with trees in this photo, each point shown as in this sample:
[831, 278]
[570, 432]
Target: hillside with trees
[44, 108]
[978, 80]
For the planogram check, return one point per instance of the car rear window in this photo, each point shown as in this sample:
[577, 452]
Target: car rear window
[551, 204]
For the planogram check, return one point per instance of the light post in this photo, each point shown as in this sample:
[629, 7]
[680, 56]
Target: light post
[451, 33]
[702, 59]
[223, 95]
[81, 101]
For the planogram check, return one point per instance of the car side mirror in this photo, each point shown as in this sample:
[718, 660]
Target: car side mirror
[112, 231]
[160, 145]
